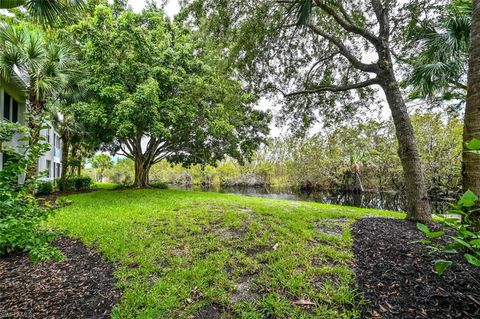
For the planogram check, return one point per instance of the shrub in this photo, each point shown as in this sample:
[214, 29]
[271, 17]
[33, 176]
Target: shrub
[83, 183]
[159, 185]
[66, 185]
[74, 183]
[466, 229]
[44, 188]
[20, 214]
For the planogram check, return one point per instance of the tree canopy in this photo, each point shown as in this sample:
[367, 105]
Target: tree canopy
[155, 95]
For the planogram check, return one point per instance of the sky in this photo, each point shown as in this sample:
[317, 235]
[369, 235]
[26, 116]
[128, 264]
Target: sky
[171, 8]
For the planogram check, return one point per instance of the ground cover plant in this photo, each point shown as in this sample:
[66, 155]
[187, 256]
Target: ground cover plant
[183, 254]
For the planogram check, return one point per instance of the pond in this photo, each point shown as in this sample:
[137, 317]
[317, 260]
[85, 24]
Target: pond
[395, 201]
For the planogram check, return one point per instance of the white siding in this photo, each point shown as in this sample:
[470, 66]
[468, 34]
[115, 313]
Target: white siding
[55, 153]
[53, 156]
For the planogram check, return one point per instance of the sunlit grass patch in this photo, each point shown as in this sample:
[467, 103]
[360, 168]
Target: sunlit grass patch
[183, 254]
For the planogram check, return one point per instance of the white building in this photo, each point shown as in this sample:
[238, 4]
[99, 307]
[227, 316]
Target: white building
[13, 109]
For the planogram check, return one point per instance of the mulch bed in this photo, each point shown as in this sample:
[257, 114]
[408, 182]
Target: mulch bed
[52, 198]
[397, 279]
[80, 286]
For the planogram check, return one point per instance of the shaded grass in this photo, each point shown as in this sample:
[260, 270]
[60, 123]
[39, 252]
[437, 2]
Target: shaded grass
[183, 254]
[106, 185]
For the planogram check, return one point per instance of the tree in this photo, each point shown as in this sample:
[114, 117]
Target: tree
[47, 67]
[156, 94]
[309, 51]
[66, 126]
[441, 53]
[471, 161]
[101, 162]
[46, 12]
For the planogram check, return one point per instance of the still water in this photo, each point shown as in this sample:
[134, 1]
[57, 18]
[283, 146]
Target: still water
[380, 200]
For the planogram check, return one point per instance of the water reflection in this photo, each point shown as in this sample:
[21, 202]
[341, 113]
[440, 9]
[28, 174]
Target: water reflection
[380, 200]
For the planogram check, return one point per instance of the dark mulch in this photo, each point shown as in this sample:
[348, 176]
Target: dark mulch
[80, 286]
[52, 198]
[397, 277]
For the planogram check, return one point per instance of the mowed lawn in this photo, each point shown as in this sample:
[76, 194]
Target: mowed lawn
[182, 254]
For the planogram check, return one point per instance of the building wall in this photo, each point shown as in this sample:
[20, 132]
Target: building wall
[50, 162]
[52, 158]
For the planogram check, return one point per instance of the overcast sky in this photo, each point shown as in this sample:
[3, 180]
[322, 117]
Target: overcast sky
[171, 8]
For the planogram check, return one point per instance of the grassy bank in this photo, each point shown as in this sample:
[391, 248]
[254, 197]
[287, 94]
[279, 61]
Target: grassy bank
[187, 254]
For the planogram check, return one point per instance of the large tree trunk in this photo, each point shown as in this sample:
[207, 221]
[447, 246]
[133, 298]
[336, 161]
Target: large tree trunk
[418, 205]
[142, 169]
[64, 157]
[471, 161]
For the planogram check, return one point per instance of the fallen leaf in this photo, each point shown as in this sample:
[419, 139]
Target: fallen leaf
[303, 302]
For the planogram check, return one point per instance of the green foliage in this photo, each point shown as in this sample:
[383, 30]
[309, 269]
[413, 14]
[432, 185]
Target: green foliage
[83, 183]
[20, 214]
[154, 81]
[159, 185]
[101, 163]
[473, 146]
[50, 65]
[47, 13]
[331, 158]
[441, 265]
[44, 188]
[441, 52]
[75, 183]
[66, 184]
[466, 233]
[428, 233]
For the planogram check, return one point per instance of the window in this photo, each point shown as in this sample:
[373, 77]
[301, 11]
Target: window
[57, 169]
[49, 168]
[6, 106]
[47, 135]
[14, 111]
[58, 146]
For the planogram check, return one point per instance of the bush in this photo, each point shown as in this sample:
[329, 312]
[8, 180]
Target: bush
[44, 188]
[159, 185]
[83, 183]
[66, 185]
[20, 214]
[74, 183]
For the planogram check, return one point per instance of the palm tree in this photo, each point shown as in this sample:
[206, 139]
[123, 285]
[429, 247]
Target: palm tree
[471, 161]
[440, 67]
[47, 67]
[66, 126]
[46, 12]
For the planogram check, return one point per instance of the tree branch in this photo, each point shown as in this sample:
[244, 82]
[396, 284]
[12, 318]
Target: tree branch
[381, 12]
[330, 56]
[348, 25]
[335, 88]
[371, 68]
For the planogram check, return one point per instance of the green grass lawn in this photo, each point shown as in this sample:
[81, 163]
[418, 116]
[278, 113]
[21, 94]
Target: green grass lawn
[182, 254]
[106, 185]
